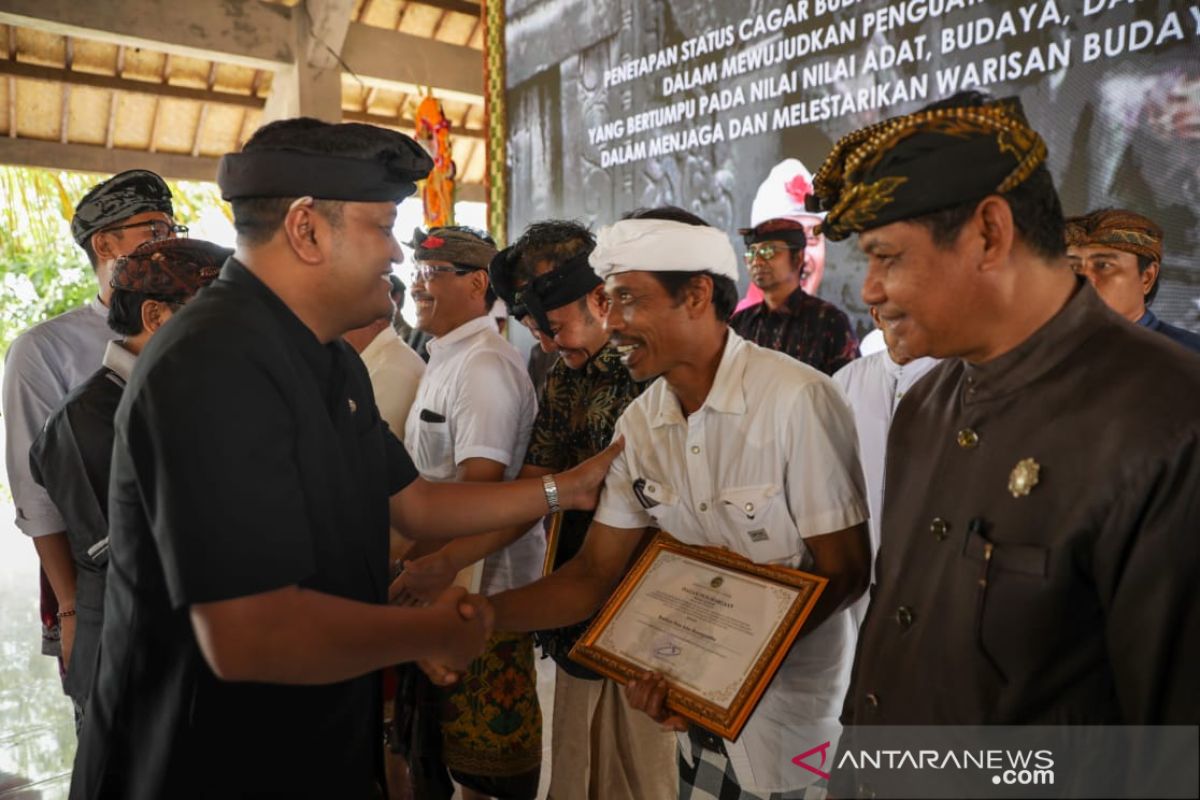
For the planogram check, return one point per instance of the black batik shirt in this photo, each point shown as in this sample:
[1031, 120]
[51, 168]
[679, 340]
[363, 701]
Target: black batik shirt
[577, 412]
[248, 457]
[805, 327]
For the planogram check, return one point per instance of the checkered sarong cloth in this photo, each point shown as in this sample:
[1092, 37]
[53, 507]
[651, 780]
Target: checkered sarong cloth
[711, 777]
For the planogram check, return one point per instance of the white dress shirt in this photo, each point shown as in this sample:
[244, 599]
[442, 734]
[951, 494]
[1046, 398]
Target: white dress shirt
[874, 386]
[395, 370]
[476, 401]
[767, 461]
[42, 366]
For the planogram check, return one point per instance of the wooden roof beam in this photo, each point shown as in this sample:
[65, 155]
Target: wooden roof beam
[257, 35]
[91, 158]
[17, 69]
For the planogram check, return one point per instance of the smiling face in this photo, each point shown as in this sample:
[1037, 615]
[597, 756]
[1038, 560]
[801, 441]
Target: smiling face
[448, 297]
[576, 329]
[361, 255]
[925, 295]
[645, 323]
[1115, 275]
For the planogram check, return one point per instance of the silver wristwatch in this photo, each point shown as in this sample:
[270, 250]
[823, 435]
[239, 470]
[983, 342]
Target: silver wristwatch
[551, 489]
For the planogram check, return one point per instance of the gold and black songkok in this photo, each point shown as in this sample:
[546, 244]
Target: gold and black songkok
[170, 267]
[923, 162]
[1119, 229]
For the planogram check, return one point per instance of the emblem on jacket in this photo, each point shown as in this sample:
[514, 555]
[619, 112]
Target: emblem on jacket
[1023, 477]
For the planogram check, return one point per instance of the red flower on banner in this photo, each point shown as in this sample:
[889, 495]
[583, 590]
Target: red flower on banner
[798, 188]
[432, 242]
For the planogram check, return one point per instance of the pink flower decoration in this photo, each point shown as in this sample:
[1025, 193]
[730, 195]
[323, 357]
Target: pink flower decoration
[798, 188]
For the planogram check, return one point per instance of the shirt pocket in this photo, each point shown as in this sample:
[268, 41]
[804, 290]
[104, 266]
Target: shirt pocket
[435, 449]
[1012, 578]
[760, 526]
[661, 502]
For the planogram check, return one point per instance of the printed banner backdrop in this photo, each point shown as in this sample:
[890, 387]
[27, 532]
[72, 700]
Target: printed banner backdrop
[617, 104]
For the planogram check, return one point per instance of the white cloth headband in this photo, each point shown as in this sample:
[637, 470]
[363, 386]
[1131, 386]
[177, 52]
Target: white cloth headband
[653, 245]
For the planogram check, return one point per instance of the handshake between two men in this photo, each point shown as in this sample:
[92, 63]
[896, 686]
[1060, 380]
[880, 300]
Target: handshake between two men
[432, 565]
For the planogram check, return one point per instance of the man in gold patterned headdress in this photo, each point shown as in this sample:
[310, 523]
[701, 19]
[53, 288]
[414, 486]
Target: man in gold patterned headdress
[1120, 253]
[1029, 571]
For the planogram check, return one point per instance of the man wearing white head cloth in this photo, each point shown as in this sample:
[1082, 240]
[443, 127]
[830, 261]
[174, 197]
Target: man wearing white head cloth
[732, 446]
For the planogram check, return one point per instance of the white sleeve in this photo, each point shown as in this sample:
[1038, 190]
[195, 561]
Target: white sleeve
[825, 487]
[619, 506]
[30, 395]
[487, 416]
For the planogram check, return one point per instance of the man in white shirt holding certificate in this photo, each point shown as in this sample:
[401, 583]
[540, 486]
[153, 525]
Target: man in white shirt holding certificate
[734, 446]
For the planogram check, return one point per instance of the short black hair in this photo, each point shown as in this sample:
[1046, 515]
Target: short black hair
[724, 291]
[1144, 263]
[1036, 209]
[667, 213]
[398, 288]
[554, 240]
[125, 310]
[257, 219]
[90, 252]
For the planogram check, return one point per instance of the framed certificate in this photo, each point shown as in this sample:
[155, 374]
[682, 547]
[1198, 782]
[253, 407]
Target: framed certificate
[716, 625]
[553, 527]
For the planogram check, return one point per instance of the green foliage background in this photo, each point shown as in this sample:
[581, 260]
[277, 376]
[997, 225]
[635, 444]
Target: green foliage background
[42, 271]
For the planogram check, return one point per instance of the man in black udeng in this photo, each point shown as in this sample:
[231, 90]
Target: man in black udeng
[252, 488]
[72, 455]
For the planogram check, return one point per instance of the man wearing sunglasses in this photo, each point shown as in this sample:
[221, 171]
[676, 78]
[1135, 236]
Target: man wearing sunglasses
[789, 319]
[51, 358]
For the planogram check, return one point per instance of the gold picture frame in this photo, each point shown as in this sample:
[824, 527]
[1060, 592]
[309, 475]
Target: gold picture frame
[725, 719]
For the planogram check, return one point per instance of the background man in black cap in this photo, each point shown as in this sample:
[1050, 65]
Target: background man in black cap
[53, 357]
[1011, 589]
[789, 319]
[71, 456]
[252, 488]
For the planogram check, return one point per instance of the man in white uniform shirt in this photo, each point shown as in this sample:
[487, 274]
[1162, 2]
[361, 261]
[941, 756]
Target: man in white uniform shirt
[875, 385]
[471, 422]
[744, 448]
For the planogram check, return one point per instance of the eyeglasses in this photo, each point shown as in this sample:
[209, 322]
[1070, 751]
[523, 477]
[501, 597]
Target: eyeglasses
[764, 251]
[159, 230]
[424, 272]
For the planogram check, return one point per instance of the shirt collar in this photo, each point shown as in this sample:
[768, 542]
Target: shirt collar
[606, 361]
[727, 394]
[119, 359]
[1148, 320]
[1048, 347]
[381, 340]
[794, 304]
[319, 357]
[461, 333]
[98, 307]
